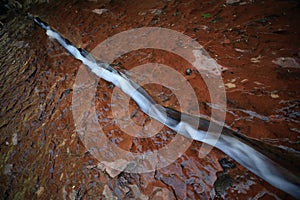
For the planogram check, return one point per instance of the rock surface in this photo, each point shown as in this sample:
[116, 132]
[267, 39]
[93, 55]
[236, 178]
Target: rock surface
[42, 156]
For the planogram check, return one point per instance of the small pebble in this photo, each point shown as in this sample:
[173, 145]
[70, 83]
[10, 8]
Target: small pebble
[274, 96]
[230, 85]
[188, 71]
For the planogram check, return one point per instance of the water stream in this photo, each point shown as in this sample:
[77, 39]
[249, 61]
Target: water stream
[246, 151]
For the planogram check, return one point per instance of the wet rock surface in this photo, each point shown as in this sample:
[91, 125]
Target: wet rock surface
[42, 156]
